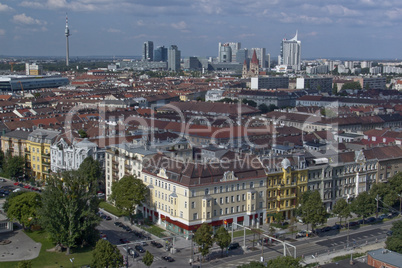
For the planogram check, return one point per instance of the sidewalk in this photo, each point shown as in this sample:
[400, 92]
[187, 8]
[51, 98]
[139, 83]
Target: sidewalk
[326, 258]
[22, 247]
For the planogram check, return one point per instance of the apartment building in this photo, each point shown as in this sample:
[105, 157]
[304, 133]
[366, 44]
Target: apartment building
[286, 183]
[38, 152]
[14, 142]
[186, 194]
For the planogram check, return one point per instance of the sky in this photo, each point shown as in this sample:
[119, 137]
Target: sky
[359, 29]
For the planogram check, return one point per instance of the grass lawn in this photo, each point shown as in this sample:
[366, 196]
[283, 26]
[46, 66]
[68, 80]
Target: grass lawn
[241, 233]
[54, 259]
[155, 230]
[112, 209]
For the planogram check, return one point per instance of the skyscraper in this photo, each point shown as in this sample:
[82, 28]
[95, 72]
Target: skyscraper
[148, 51]
[67, 33]
[225, 53]
[174, 58]
[234, 46]
[291, 53]
[160, 54]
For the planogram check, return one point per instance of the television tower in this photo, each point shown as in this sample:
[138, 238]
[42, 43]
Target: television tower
[67, 32]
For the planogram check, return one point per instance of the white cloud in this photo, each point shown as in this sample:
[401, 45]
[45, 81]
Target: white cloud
[24, 19]
[2, 32]
[182, 26]
[4, 8]
[112, 30]
[242, 36]
[394, 13]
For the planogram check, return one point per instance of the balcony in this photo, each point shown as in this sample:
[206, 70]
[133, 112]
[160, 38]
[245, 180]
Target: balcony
[128, 166]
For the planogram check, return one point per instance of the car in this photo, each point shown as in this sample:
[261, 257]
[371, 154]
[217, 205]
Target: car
[389, 233]
[336, 227]
[108, 218]
[353, 223]
[131, 252]
[117, 223]
[2, 180]
[143, 243]
[124, 241]
[325, 229]
[16, 183]
[128, 229]
[156, 244]
[17, 190]
[303, 233]
[370, 220]
[167, 258]
[139, 248]
[383, 216]
[35, 189]
[233, 246]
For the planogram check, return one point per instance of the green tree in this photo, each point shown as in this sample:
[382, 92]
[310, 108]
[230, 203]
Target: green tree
[82, 133]
[203, 237]
[272, 107]
[364, 205]
[128, 193]
[24, 207]
[288, 262]
[106, 255]
[15, 167]
[394, 242]
[351, 85]
[263, 108]
[388, 192]
[335, 89]
[312, 209]
[148, 259]
[278, 217]
[253, 264]
[91, 168]
[223, 238]
[24, 264]
[227, 100]
[250, 102]
[342, 209]
[69, 207]
[6, 204]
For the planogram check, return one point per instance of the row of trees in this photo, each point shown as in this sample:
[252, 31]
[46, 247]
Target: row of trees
[66, 209]
[205, 238]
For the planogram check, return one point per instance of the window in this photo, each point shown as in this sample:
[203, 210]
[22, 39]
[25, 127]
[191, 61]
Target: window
[238, 198]
[165, 185]
[193, 193]
[261, 193]
[215, 190]
[208, 203]
[221, 189]
[214, 212]
[208, 215]
[226, 210]
[244, 186]
[238, 187]
[243, 208]
[192, 204]
[232, 198]
[169, 186]
[261, 204]
[261, 183]
[252, 196]
[150, 181]
[251, 185]
[220, 212]
[174, 189]
[244, 197]
[237, 209]
[215, 202]
[181, 214]
[195, 216]
[162, 195]
[221, 200]
[227, 199]
[206, 191]
[227, 188]
[185, 192]
[252, 207]
[233, 187]
[232, 210]
[185, 204]
[156, 193]
[145, 179]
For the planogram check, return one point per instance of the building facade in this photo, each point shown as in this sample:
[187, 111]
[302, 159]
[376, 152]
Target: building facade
[38, 153]
[14, 142]
[148, 51]
[291, 53]
[174, 58]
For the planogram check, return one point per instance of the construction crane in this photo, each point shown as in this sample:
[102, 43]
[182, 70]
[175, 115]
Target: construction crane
[12, 66]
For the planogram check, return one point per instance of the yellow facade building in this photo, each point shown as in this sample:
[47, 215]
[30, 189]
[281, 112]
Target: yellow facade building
[285, 186]
[38, 153]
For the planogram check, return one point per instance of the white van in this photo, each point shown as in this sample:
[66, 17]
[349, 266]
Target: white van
[17, 190]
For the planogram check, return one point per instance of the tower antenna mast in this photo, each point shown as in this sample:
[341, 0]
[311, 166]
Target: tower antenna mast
[67, 33]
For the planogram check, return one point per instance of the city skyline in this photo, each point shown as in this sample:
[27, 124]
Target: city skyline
[359, 29]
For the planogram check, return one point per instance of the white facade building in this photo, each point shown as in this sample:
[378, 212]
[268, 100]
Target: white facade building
[67, 156]
[291, 53]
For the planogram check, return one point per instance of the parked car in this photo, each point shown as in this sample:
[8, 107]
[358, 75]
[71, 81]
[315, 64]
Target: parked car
[156, 244]
[139, 248]
[336, 227]
[389, 233]
[117, 223]
[16, 183]
[370, 220]
[383, 216]
[108, 218]
[325, 229]
[353, 223]
[131, 252]
[2, 180]
[124, 241]
[303, 233]
[167, 258]
[234, 245]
